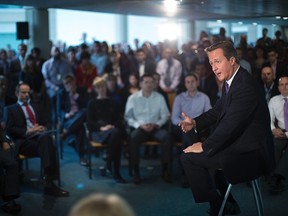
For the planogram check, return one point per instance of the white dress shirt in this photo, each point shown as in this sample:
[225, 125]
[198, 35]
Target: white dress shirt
[146, 110]
[276, 109]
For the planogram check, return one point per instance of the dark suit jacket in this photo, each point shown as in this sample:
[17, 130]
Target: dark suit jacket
[281, 69]
[16, 122]
[242, 137]
[82, 100]
[274, 91]
[149, 67]
[64, 105]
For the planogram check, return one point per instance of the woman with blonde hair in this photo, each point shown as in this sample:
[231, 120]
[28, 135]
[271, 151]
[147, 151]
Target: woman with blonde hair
[104, 122]
[102, 205]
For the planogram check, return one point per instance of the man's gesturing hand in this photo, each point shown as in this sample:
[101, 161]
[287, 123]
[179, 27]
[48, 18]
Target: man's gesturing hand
[187, 124]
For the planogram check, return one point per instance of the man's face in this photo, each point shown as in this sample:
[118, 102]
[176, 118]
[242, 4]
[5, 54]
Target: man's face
[167, 53]
[22, 50]
[133, 80]
[222, 68]
[55, 53]
[141, 57]
[3, 55]
[147, 84]
[283, 86]
[24, 93]
[191, 83]
[69, 84]
[267, 75]
[272, 57]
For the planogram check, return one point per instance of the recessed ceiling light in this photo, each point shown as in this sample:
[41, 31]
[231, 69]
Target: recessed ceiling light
[278, 17]
[219, 21]
[254, 23]
[285, 18]
[240, 23]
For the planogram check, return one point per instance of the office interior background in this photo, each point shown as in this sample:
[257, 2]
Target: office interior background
[73, 27]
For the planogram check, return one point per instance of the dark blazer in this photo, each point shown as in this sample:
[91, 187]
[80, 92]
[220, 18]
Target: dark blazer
[242, 136]
[16, 122]
[273, 92]
[149, 67]
[64, 105]
[281, 69]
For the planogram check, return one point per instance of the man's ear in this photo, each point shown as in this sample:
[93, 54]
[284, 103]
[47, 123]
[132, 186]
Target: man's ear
[232, 60]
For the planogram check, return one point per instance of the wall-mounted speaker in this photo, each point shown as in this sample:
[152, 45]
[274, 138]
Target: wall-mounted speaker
[22, 30]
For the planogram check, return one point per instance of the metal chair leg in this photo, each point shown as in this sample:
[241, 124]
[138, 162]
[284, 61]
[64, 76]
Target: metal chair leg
[257, 197]
[90, 160]
[225, 200]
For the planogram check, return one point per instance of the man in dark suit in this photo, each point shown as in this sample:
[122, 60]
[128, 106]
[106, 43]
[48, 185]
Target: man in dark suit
[279, 67]
[143, 64]
[16, 67]
[72, 110]
[240, 148]
[25, 126]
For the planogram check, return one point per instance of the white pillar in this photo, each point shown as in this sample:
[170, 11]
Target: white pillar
[121, 28]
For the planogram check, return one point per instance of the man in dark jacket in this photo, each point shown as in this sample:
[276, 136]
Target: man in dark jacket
[241, 145]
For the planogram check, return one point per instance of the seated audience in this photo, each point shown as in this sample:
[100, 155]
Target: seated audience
[26, 127]
[104, 123]
[146, 113]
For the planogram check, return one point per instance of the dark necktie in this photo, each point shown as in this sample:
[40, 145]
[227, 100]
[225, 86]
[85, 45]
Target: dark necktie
[226, 87]
[167, 79]
[30, 113]
[286, 113]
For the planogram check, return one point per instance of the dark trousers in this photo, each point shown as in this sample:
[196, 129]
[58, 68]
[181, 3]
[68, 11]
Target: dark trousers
[42, 146]
[187, 139]
[204, 176]
[9, 178]
[138, 136]
[281, 157]
[75, 126]
[113, 138]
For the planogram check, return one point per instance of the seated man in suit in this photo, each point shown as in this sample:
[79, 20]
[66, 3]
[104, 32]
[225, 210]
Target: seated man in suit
[72, 110]
[278, 107]
[9, 181]
[25, 125]
[146, 113]
[241, 145]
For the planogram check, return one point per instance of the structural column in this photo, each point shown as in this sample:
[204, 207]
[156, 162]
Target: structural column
[122, 28]
[38, 19]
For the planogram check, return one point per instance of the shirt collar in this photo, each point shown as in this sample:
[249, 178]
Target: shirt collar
[21, 103]
[231, 79]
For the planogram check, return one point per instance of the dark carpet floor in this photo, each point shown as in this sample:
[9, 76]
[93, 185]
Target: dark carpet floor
[152, 198]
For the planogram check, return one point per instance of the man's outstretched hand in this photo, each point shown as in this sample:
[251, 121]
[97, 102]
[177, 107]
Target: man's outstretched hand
[187, 124]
